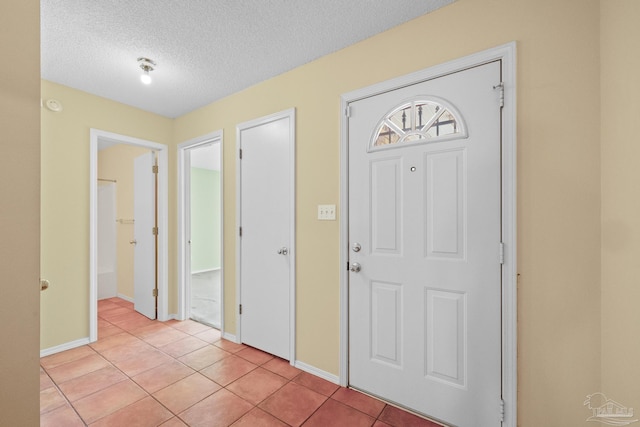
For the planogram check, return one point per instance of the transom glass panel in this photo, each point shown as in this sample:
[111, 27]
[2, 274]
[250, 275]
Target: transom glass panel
[426, 119]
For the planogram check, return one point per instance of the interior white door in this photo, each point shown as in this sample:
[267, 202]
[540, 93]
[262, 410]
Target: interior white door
[424, 209]
[266, 254]
[144, 263]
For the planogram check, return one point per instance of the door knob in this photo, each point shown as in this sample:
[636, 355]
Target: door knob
[355, 267]
[133, 242]
[44, 284]
[283, 251]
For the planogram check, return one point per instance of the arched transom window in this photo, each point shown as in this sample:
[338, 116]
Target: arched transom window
[422, 120]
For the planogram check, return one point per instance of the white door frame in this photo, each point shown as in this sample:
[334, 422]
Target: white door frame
[184, 291]
[97, 137]
[507, 54]
[290, 113]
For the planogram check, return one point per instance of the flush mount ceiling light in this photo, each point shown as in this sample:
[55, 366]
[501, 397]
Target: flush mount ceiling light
[147, 65]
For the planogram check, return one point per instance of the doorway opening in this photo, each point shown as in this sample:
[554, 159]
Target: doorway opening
[200, 233]
[157, 250]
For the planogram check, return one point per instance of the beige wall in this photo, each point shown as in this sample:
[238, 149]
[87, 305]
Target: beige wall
[559, 182]
[620, 115]
[19, 211]
[116, 163]
[65, 200]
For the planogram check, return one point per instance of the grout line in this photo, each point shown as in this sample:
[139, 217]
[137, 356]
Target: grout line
[199, 371]
[147, 393]
[168, 385]
[97, 391]
[65, 398]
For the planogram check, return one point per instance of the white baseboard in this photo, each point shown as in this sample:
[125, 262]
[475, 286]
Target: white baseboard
[317, 372]
[63, 347]
[124, 297]
[230, 337]
[206, 270]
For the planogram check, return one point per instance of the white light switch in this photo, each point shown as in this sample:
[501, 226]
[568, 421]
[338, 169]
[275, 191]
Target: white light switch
[327, 212]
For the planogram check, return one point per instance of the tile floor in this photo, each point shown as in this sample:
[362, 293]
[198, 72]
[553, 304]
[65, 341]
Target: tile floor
[147, 373]
[205, 297]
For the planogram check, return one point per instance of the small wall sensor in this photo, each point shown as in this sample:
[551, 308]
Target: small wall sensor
[53, 105]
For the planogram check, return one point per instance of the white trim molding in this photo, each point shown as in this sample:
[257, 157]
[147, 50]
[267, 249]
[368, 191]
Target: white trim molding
[507, 55]
[97, 137]
[230, 337]
[124, 297]
[64, 347]
[317, 372]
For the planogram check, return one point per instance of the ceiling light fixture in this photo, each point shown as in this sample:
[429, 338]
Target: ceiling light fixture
[147, 65]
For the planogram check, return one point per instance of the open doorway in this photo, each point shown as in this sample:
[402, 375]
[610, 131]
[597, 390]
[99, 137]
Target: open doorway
[126, 217]
[122, 177]
[200, 230]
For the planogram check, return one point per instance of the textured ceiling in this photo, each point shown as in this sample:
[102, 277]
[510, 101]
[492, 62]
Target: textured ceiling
[204, 49]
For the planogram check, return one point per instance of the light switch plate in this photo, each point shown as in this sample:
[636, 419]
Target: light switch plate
[327, 212]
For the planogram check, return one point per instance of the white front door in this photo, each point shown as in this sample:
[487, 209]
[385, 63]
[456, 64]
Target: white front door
[424, 229]
[144, 213]
[266, 244]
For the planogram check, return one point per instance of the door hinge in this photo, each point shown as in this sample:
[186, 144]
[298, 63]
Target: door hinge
[347, 111]
[154, 168]
[501, 253]
[154, 231]
[501, 410]
[240, 231]
[154, 292]
[500, 86]
[240, 153]
[240, 308]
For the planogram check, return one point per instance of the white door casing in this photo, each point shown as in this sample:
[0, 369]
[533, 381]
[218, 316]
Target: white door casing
[184, 227]
[425, 309]
[144, 258]
[185, 232]
[266, 248]
[101, 139]
[506, 54]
